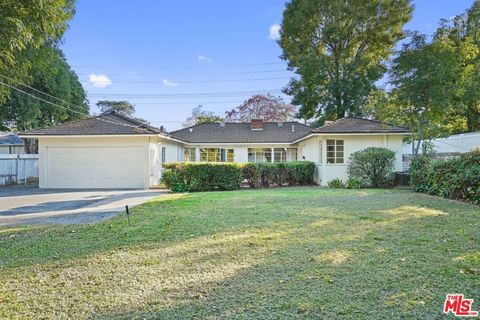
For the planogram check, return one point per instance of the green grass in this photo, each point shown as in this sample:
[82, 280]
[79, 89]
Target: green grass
[266, 254]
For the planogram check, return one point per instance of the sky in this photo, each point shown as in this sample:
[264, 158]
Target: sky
[167, 57]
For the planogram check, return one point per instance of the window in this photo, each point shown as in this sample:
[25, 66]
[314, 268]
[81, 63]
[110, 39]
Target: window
[280, 154]
[284, 154]
[334, 151]
[227, 155]
[217, 155]
[189, 154]
[291, 154]
[163, 154]
[259, 154]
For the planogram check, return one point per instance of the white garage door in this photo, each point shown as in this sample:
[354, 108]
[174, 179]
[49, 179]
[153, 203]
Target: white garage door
[95, 167]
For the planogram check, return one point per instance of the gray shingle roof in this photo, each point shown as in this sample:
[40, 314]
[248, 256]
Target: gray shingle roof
[105, 124]
[359, 125]
[10, 139]
[272, 132]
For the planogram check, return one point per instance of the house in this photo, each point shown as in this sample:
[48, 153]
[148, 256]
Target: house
[114, 151]
[10, 143]
[329, 146]
[107, 151]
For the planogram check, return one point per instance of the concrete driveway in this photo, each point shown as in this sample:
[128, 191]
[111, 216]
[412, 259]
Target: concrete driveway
[23, 205]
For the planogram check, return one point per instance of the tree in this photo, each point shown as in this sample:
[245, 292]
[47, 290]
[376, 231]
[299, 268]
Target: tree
[122, 107]
[200, 116]
[266, 107]
[25, 26]
[338, 49]
[52, 77]
[463, 32]
[423, 76]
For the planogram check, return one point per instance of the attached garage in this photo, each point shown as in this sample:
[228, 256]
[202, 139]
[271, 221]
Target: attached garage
[110, 151]
[94, 167]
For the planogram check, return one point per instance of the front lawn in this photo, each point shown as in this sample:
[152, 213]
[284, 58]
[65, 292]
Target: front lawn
[258, 254]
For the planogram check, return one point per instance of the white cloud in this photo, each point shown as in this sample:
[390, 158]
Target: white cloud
[203, 58]
[99, 80]
[275, 31]
[169, 83]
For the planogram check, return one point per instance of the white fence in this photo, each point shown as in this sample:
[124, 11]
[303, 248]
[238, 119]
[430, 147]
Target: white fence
[18, 168]
[457, 143]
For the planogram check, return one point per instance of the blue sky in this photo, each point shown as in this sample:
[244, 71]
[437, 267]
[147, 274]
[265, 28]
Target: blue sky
[166, 57]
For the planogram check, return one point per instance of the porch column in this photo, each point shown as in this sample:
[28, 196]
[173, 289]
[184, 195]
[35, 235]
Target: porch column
[197, 154]
[273, 154]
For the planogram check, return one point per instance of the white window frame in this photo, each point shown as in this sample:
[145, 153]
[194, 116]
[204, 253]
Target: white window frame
[337, 153]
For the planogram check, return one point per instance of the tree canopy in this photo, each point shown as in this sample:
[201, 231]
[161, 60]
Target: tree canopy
[266, 107]
[54, 81]
[200, 116]
[122, 107]
[27, 25]
[338, 50]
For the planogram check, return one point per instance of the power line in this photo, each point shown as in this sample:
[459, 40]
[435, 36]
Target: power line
[185, 67]
[57, 105]
[201, 81]
[212, 94]
[185, 74]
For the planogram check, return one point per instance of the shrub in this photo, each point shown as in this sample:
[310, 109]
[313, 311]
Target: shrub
[336, 183]
[456, 179]
[188, 176]
[251, 173]
[300, 172]
[181, 177]
[267, 174]
[353, 183]
[374, 165]
[418, 173]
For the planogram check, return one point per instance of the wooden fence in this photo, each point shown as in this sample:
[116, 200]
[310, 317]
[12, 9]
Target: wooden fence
[18, 168]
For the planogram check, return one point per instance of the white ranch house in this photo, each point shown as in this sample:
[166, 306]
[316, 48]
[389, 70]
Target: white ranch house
[114, 151]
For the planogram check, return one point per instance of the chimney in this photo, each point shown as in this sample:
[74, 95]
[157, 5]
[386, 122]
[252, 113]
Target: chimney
[256, 124]
[293, 128]
[222, 124]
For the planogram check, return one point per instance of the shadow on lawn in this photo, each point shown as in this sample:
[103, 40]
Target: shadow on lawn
[326, 257]
[377, 266]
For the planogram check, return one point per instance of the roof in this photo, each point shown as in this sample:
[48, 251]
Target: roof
[359, 125]
[10, 139]
[111, 123]
[272, 132]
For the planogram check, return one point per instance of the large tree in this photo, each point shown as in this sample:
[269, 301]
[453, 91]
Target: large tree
[52, 80]
[26, 25]
[266, 107]
[200, 116]
[424, 78]
[338, 49]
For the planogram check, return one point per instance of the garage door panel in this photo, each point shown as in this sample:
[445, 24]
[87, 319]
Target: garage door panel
[95, 167]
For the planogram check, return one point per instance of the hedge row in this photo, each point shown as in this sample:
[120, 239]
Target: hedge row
[211, 176]
[456, 179]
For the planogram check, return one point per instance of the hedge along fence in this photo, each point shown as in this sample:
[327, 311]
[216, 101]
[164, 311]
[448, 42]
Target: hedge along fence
[211, 176]
[456, 178]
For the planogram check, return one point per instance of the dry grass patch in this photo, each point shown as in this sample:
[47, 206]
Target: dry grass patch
[266, 254]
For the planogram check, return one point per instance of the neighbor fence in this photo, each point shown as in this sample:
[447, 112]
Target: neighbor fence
[18, 168]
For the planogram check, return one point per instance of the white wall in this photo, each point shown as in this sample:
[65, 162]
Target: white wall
[315, 149]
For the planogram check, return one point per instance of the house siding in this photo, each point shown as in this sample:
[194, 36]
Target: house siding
[352, 143]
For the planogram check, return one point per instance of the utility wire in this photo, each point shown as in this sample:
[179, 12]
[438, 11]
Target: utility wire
[185, 74]
[201, 81]
[153, 95]
[57, 105]
[185, 67]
